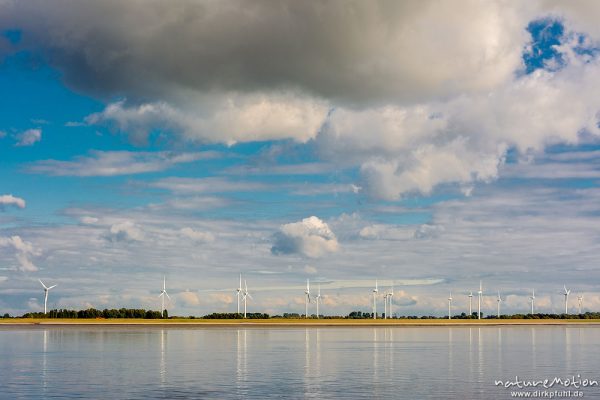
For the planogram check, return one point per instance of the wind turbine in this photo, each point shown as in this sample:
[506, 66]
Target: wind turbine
[163, 294]
[238, 294]
[566, 294]
[479, 294]
[385, 301]
[306, 299]
[375, 291]
[46, 290]
[245, 296]
[390, 297]
[318, 300]
[470, 304]
[499, 299]
[580, 301]
[450, 306]
[532, 298]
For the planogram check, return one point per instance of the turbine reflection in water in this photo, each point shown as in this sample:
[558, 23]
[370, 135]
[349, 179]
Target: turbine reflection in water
[163, 364]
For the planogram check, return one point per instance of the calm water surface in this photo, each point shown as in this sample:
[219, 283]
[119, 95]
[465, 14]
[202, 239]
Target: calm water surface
[320, 363]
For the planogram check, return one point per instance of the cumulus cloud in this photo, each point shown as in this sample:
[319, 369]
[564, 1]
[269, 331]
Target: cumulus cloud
[28, 137]
[354, 52]
[125, 231]
[198, 236]
[188, 299]
[23, 251]
[112, 163]
[8, 200]
[348, 75]
[228, 118]
[310, 237]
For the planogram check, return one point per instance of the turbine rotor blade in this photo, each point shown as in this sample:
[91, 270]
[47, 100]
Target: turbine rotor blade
[42, 284]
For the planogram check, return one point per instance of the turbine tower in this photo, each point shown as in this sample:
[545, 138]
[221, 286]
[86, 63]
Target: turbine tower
[566, 294]
[479, 294]
[239, 294]
[390, 297]
[46, 290]
[318, 300]
[163, 294]
[245, 296]
[470, 304]
[499, 299]
[306, 299]
[580, 302]
[385, 301]
[450, 306]
[375, 291]
[532, 298]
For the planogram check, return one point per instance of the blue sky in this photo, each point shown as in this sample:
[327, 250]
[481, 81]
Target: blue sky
[291, 150]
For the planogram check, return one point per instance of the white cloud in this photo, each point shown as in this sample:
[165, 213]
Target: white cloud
[10, 200]
[125, 231]
[232, 118]
[206, 185]
[198, 236]
[87, 220]
[310, 270]
[188, 299]
[22, 250]
[28, 137]
[310, 237]
[463, 139]
[427, 231]
[111, 163]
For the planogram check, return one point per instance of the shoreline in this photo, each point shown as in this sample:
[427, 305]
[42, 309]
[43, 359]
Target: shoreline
[286, 323]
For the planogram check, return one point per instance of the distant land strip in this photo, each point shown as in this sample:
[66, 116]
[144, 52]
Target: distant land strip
[287, 322]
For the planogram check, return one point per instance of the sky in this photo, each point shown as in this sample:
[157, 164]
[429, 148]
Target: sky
[428, 145]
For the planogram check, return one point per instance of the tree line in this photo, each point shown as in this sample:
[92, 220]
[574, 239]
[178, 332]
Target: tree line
[139, 313]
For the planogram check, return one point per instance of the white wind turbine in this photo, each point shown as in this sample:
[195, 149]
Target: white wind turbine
[532, 298]
[375, 291]
[580, 302]
[385, 301]
[450, 306]
[566, 294]
[163, 294]
[239, 294]
[479, 295]
[318, 300]
[470, 303]
[306, 299]
[390, 297]
[499, 299]
[245, 296]
[46, 290]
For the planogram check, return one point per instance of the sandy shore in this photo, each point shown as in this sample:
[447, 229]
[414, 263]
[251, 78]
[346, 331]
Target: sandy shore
[294, 322]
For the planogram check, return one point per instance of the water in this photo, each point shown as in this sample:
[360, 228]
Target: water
[296, 363]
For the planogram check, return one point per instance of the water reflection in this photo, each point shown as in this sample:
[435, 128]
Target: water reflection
[241, 360]
[163, 364]
[45, 360]
[286, 363]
